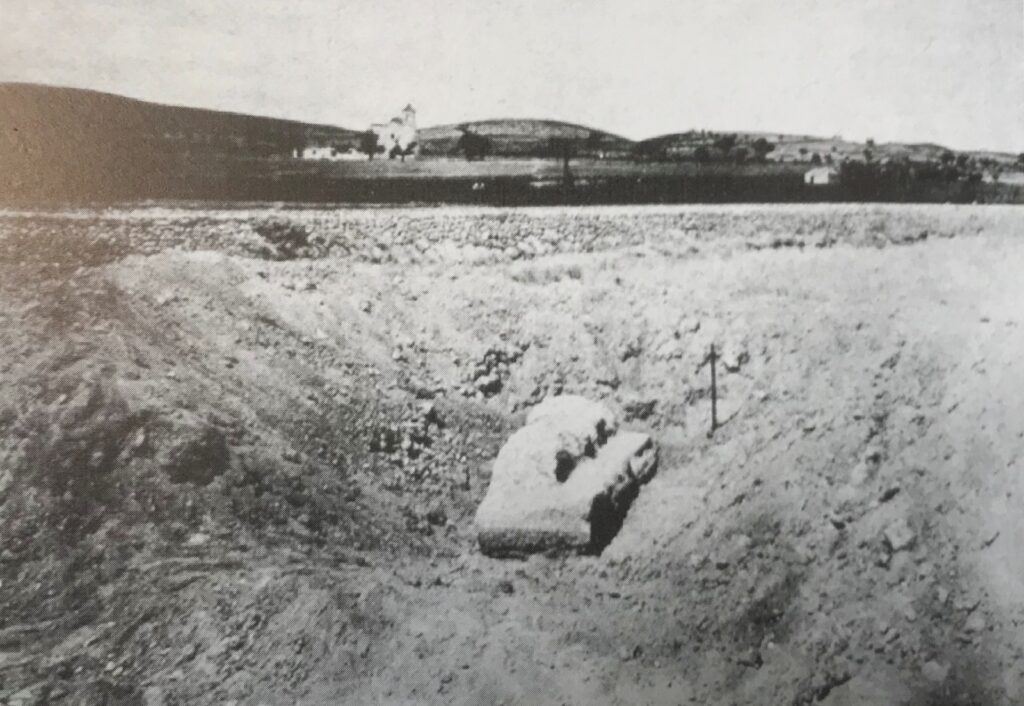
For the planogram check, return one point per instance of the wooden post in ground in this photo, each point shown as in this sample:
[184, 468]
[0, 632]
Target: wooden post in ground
[714, 391]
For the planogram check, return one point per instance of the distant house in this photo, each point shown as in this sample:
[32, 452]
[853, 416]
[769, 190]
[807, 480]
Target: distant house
[821, 176]
[1013, 178]
[330, 153]
[398, 136]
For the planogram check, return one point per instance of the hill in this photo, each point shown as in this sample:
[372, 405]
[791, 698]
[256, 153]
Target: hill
[71, 141]
[802, 148]
[517, 137]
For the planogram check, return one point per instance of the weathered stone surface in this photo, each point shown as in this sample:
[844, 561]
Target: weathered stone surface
[563, 481]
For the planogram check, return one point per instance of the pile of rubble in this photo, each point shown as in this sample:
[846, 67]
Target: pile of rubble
[490, 373]
[410, 438]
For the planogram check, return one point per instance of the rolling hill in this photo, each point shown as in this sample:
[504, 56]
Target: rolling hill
[67, 143]
[516, 137]
[79, 114]
[802, 148]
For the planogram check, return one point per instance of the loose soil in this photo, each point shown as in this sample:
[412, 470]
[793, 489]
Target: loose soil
[240, 452]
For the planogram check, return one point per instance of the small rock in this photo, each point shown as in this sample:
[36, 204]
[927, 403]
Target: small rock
[934, 672]
[639, 409]
[750, 658]
[975, 623]
[899, 536]
[198, 539]
[889, 494]
[626, 654]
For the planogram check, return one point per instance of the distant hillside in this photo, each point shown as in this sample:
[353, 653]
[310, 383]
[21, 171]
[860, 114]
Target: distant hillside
[74, 145]
[512, 137]
[803, 148]
[66, 142]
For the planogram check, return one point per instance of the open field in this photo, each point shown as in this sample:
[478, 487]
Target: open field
[241, 448]
[441, 168]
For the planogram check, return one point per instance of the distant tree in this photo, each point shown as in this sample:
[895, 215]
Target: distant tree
[368, 143]
[962, 160]
[761, 148]
[740, 155]
[870, 143]
[701, 154]
[725, 143]
[409, 149]
[593, 141]
[869, 155]
[1020, 159]
[648, 150]
[401, 152]
[947, 158]
[803, 153]
[561, 148]
[816, 158]
[828, 159]
[472, 145]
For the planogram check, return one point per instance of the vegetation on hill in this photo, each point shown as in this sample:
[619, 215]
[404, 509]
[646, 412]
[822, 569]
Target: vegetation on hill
[710, 146]
[512, 137]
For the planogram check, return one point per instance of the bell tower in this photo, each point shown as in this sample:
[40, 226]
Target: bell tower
[409, 116]
[409, 137]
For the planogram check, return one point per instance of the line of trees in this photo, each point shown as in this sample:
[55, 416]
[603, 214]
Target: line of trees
[724, 147]
[472, 145]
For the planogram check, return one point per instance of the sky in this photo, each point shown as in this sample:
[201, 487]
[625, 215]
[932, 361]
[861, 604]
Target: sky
[947, 71]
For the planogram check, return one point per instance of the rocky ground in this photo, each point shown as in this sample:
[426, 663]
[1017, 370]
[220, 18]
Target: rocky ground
[241, 449]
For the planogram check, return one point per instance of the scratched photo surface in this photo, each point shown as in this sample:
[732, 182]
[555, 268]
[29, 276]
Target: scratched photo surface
[512, 352]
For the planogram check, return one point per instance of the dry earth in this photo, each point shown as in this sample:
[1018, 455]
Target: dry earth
[240, 452]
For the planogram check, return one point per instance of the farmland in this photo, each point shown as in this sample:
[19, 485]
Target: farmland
[241, 449]
[534, 168]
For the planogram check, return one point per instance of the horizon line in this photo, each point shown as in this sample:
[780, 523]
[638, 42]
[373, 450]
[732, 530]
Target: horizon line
[759, 131]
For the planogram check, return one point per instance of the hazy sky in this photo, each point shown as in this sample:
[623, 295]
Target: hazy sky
[950, 71]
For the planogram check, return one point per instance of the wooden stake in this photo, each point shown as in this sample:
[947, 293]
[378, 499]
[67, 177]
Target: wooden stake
[714, 392]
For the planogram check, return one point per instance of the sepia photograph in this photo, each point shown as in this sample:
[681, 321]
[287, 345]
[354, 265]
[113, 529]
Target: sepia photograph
[458, 352]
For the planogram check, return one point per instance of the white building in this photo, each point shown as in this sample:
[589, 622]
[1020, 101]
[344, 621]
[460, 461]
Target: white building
[821, 176]
[397, 136]
[333, 154]
[1013, 178]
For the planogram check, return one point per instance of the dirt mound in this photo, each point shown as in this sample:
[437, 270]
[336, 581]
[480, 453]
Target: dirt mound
[273, 462]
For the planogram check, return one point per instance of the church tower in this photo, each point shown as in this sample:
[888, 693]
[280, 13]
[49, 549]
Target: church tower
[409, 129]
[409, 117]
